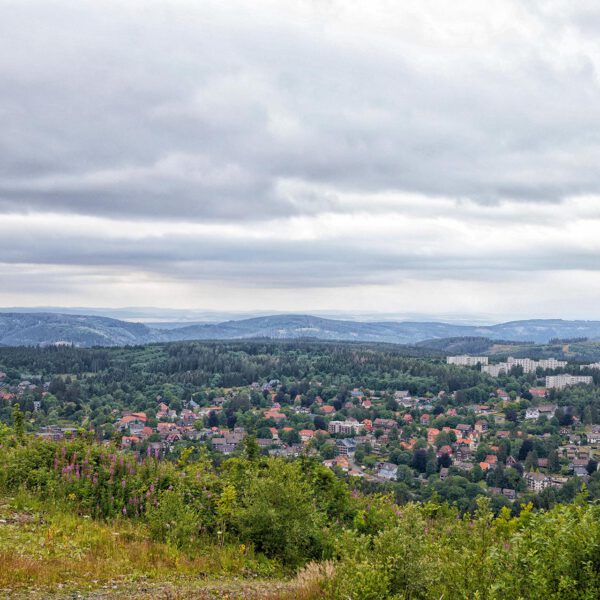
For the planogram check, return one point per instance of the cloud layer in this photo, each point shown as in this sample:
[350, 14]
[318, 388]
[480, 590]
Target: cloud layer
[318, 152]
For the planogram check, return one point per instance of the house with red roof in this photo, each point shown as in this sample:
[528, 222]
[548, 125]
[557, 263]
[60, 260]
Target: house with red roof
[342, 462]
[306, 434]
[491, 460]
[273, 413]
[132, 421]
[445, 450]
[146, 432]
[129, 440]
[432, 433]
[164, 429]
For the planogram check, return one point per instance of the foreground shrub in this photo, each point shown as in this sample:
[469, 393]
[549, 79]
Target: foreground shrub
[262, 515]
[433, 553]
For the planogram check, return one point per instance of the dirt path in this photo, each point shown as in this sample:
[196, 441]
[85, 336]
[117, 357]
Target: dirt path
[185, 590]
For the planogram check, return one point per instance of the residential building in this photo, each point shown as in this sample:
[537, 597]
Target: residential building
[384, 424]
[306, 434]
[387, 471]
[528, 365]
[467, 361]
[495, 370]
[537, 481]
[349, 427]
[547, 410]
[508, 493]
[564, 380]
[594, 435]
[481, 426]
[432, 434]
[345, 447]
[132, 421]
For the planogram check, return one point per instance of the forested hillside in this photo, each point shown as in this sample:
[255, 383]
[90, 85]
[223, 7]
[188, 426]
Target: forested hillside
[33, 329]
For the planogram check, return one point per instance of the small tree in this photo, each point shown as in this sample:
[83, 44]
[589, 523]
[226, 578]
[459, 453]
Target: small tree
[251, 448]
[18, 423]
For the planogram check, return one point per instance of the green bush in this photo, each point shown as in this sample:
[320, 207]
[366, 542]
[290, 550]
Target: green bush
[173, 521]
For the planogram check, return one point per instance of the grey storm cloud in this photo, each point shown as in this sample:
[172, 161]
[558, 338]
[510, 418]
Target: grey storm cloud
[320, 148]
[201, 110]
[281, 262]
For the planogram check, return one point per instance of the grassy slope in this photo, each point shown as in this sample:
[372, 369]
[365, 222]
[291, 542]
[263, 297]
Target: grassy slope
[48, 554]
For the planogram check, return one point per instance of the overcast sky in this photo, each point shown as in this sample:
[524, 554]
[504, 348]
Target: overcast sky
[407, 157]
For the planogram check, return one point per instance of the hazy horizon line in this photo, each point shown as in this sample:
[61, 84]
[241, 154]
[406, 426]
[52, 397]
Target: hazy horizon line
[151, 314]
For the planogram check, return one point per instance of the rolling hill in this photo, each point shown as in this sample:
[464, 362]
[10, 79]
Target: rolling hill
[19, 329]
[33, 329]
[302, 326]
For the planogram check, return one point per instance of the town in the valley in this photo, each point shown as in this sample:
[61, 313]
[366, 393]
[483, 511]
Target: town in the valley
[516, 441]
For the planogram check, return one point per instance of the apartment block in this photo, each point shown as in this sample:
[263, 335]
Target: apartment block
[564, 380]
[528, 364]
[467, 361]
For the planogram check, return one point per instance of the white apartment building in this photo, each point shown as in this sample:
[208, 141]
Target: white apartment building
[552, 363]
[537, 481]
[344, 427]
[497, 369]
[467, 361]
[591, 366]
[560, 382]
[529, 365]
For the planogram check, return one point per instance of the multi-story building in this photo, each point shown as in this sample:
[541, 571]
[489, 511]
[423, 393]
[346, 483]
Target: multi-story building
[467, 361]
[344, 427]
[564, 380]
[528, 364]
[595, 365]
[345, 447]
[551, 363]
[385, 424]
[496, 370]
[537, 481]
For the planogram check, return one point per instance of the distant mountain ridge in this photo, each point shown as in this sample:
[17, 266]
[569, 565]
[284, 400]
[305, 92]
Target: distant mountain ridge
[407, 332]
[33, 329]
[25, 329]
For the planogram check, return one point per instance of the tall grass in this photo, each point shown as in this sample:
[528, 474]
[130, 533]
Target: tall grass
[42, 545]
